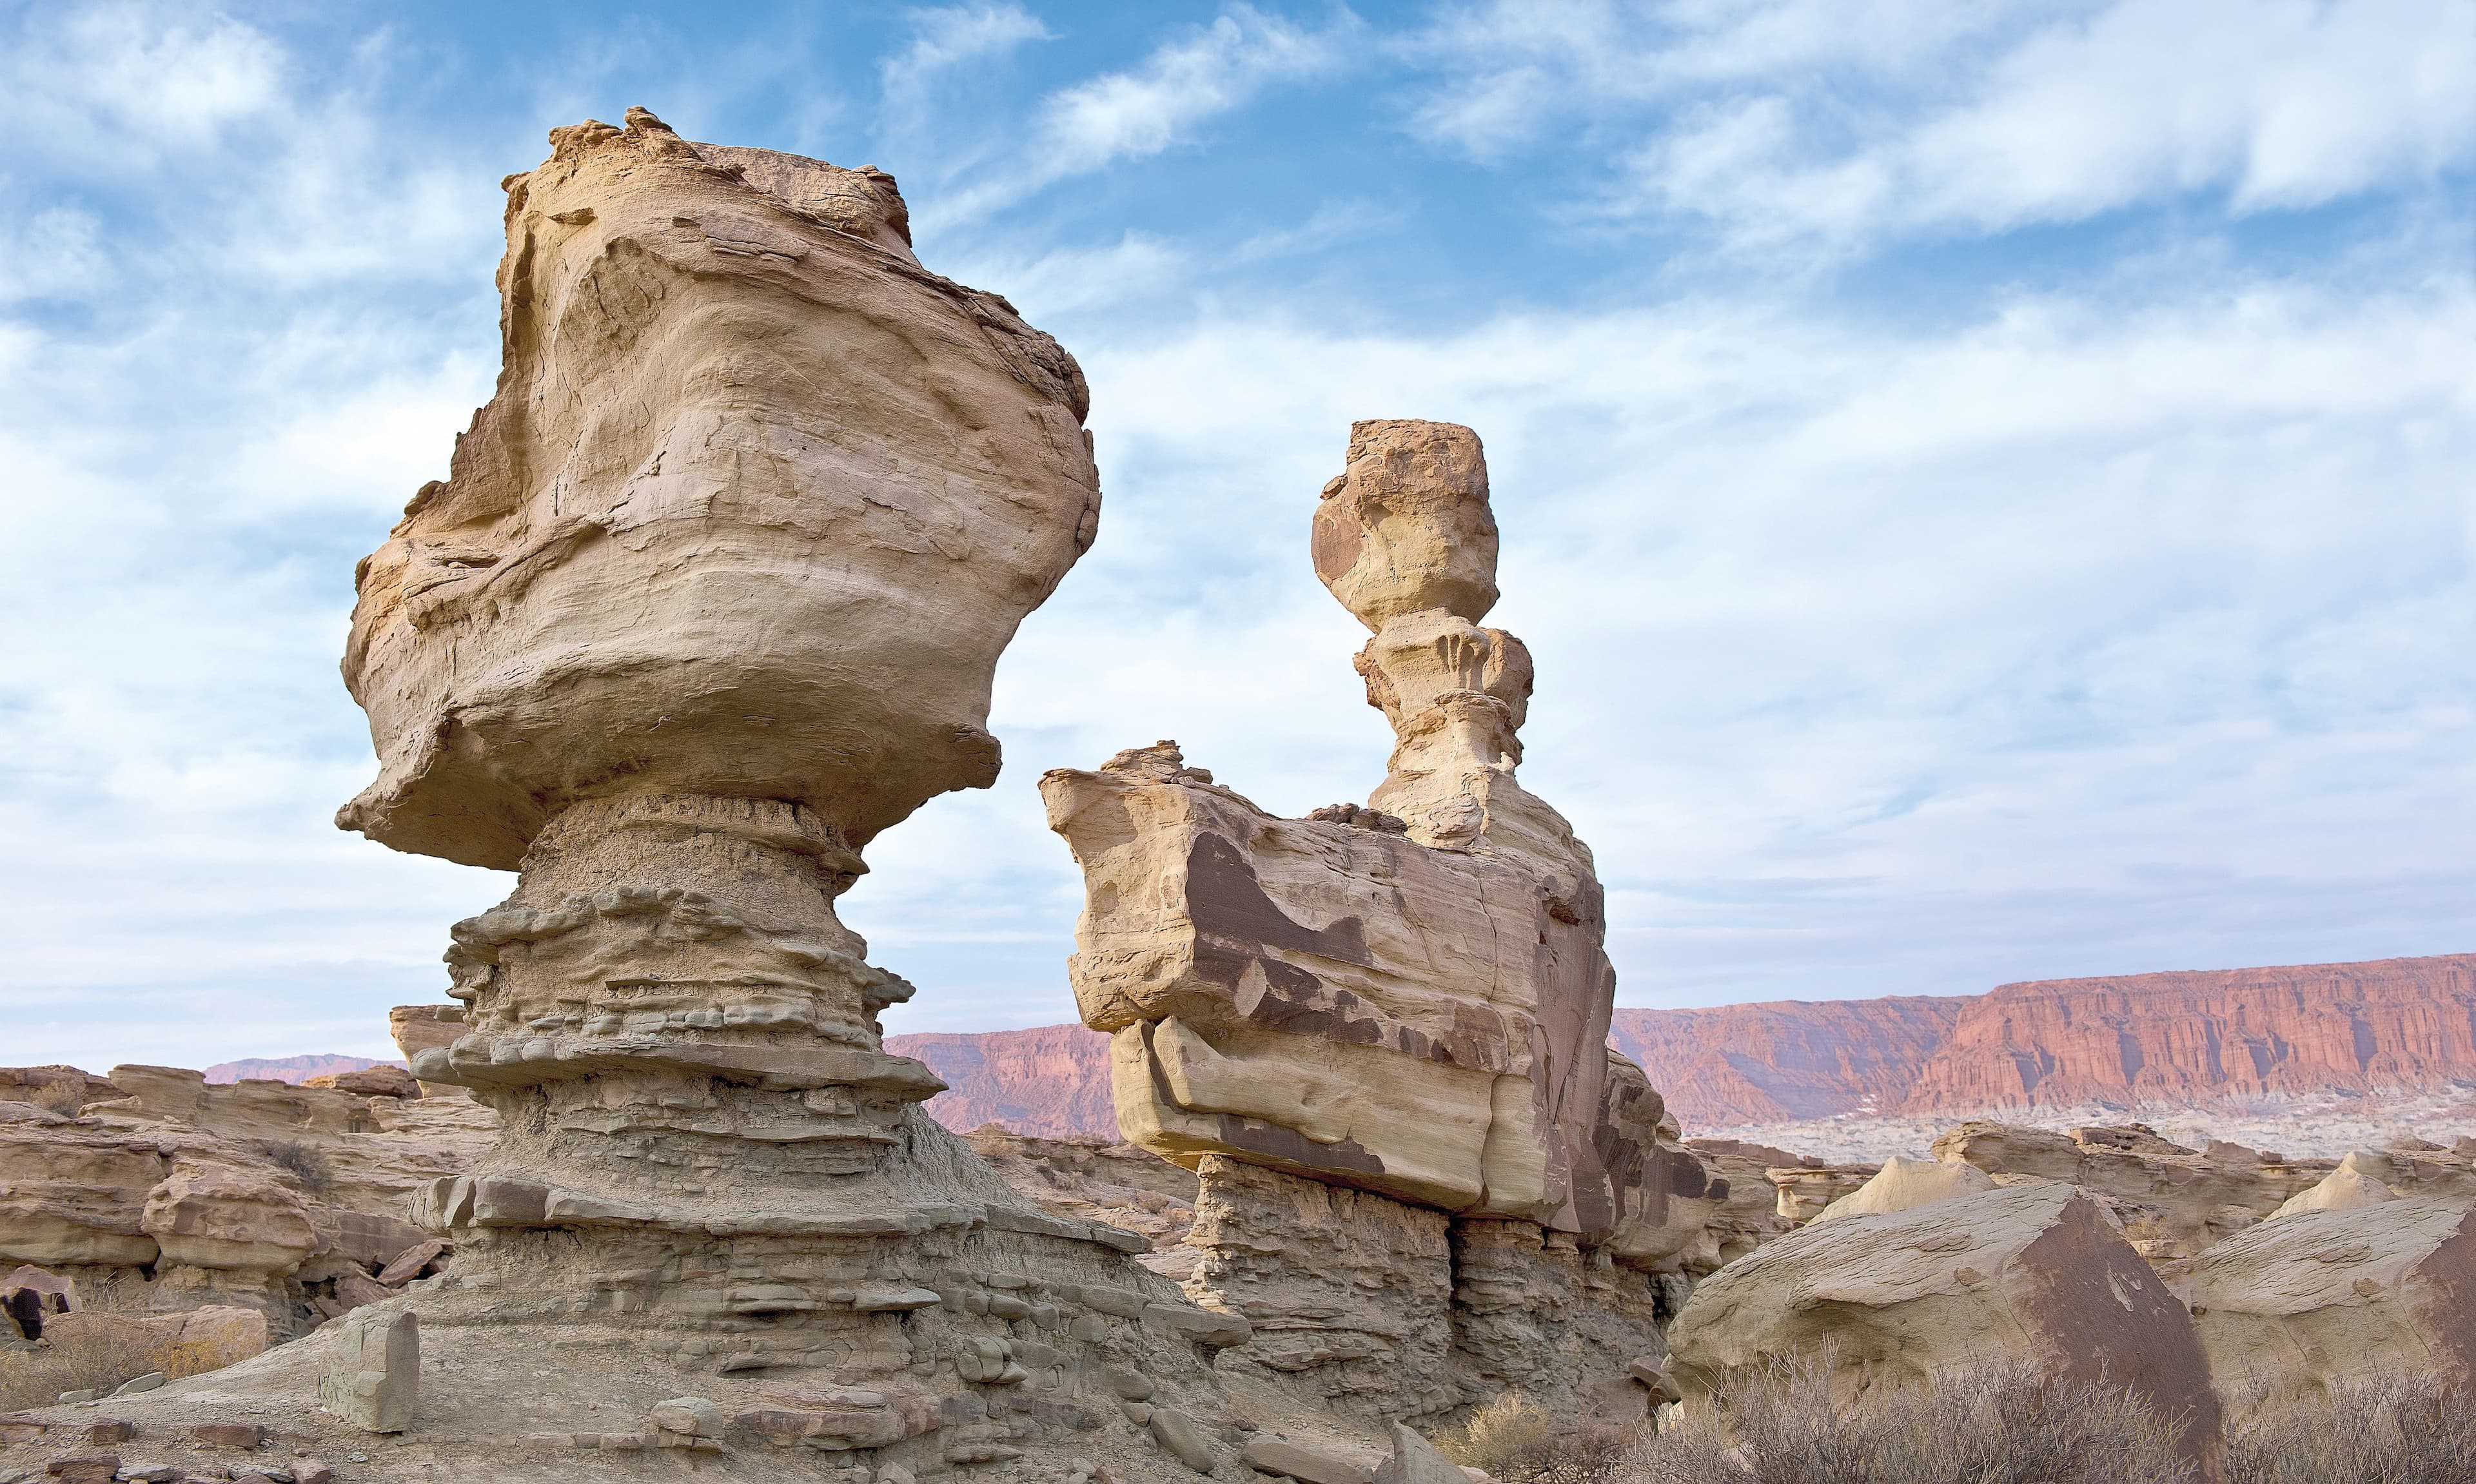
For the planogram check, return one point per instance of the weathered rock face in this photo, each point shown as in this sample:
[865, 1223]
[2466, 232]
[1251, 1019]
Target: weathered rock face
[757, 506]
[2402, 1023]
[2292, 1304]
[1044, 1081]
[2391, 1022]
[1407, 999]
[163, 1193]
[712, 598]
[2173, 1203]
[2033, 1272]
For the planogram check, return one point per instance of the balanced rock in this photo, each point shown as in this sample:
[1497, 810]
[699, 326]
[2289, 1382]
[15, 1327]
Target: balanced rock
[2292, 1305]
[1407, 999]
[2034, 1272]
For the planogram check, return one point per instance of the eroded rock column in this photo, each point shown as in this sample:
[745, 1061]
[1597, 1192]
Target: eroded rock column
[1406, 1000]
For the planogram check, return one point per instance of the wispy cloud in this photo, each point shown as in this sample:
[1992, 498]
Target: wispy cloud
[1198, 75]
[949, 37]
[1784, 119]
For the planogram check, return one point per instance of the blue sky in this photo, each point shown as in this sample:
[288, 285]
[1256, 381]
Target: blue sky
[1987, 486]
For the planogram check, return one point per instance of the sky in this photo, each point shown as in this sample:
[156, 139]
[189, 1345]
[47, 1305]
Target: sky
[1987, 486]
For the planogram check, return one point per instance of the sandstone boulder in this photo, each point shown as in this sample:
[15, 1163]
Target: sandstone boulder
[373, 1377]
[378, 1081]
[2348, 1188]
[1405, 527]
[2293, 1305]
[216, 1215]
[1904, 1184]
[2032, 1271]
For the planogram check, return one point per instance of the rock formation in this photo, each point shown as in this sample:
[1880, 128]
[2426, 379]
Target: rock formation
[1378, 1033]
[1904, 1184]
[711, 598]
[155, 1192]
[2385, 1025]
[2033, 1273]
[1046, 1082]
[2292, 1304]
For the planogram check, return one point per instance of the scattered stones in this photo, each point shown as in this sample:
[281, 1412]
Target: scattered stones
[228, 1434]
[373, 1375]
[113, 1430]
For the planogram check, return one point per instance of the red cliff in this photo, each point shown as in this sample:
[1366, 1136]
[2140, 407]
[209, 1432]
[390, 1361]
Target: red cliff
[2394, 1023]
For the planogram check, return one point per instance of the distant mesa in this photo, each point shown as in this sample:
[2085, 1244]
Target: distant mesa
[2392, 1024]
[294, 1070]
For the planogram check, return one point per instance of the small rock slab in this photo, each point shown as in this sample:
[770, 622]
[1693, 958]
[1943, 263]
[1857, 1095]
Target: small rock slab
[1267, 1454]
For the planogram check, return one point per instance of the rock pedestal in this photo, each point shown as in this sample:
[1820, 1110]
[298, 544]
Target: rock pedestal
[1378, 1033]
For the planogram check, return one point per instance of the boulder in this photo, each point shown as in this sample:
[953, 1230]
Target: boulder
[373, 1377]
[1904, 1184]
[378, 1081]
[209, 1214]
[2173, 1203]
[2034, 1272]
[2292, 1305]
[2351, 1187]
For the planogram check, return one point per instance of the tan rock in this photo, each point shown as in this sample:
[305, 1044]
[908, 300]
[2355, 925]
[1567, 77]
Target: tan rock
[61, 1090]
[1406, 526]
[373, 1377]
[2348, 1188]
[2035, 1272]
[76, 1196]
[427, 1027]
[1803, 1190]
[718, 535]
[2173, 1203]
[2289, 1306]
[1904, 1184]
[214, 1215]
[379, 1081]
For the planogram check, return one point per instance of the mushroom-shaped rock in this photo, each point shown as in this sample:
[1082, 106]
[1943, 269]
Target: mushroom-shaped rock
[2351, 1187]
[1406, 526]
[1904, 1184]
[2288, 1305]
[2034, 1272]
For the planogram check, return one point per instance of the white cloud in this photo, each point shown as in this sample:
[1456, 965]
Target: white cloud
[951, 37]
[1202, 74]
[1788, 120]
[124, 80]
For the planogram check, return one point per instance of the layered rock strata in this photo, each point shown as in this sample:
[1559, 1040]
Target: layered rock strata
[1378, 1033]
[155, 1192]
[713, 597]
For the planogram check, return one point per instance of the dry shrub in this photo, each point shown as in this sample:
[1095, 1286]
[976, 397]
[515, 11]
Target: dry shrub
[1999, 1424]
[99, 1351]
[35, 1376]
[306, 1162]
[2377, 1430]
[1518, 1441]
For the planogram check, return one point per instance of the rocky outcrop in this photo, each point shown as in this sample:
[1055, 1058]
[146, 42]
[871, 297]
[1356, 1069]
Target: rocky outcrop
[1381, 1030]
[1905, 1184]
[2035, 1273]
[162, 1191]
[2292, 1305]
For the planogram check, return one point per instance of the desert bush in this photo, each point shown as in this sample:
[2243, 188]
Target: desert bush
[99, 1351]
[1521, 1443]
[1998, 1423]
[307, 1163]
[2377, 1430]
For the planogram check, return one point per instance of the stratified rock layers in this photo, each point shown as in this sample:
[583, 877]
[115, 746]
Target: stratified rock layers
[714, 596]
[1380, 1034]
